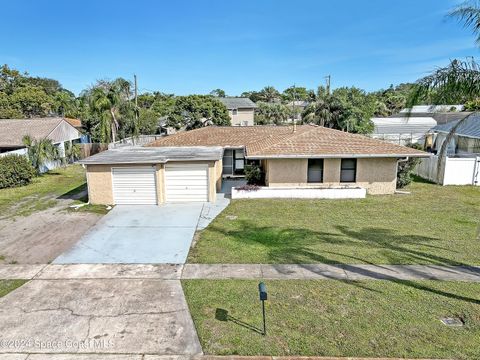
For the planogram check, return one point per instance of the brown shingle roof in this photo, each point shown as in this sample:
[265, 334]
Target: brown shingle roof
[12, 131]
[282, 141]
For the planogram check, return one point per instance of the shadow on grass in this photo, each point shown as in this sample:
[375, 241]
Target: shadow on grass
[74, 194]
[294, 246]
[222, 315]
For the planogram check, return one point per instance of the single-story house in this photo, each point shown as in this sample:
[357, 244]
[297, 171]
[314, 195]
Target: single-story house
[241, 110]
[190, 166]
[56, 129]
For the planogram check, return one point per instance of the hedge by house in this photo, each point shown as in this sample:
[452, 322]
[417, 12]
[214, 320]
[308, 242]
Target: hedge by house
[15, 170]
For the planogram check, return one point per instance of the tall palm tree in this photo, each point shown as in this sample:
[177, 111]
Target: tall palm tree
[40, 152]
[458, 82]
[105, 99]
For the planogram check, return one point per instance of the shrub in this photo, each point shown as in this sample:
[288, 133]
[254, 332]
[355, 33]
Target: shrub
[15, 170]
[405, 169]
[254, 175]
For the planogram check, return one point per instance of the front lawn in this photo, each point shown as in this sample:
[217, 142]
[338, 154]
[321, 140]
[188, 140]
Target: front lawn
[432, 225]
[7, 286]
[334, 318]
[43, 192]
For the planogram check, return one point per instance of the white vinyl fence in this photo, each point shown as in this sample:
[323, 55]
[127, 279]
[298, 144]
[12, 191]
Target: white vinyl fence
[457, 171]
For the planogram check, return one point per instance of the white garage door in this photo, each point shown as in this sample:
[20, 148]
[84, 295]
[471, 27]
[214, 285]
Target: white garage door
[187, 182]
[134, 186]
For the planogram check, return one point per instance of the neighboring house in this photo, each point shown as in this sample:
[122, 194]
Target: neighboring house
[442, 114]
[241, 110]
[297, 107]
[462, 158]
[402, 130]
[77, 124]
[12, 132]
[190, 166]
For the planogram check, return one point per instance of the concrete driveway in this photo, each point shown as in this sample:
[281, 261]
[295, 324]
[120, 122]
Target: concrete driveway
[143, 234]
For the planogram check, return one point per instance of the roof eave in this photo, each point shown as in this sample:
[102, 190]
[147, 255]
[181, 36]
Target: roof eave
[334, 156]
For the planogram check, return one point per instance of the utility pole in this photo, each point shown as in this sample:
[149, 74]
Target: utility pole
[136, 105]
[327, 80]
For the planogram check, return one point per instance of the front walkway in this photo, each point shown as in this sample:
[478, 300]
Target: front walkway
[241, 271]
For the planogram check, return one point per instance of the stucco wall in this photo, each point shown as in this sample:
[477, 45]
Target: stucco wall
[99, 178]
[377, 175]
[242, 115]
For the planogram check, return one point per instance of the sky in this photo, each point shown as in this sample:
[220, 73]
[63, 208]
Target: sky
[186, 47]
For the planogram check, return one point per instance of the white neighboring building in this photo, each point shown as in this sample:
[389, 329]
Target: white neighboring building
[56, 129]
[462, 160]
[402, 130]
[430, 109]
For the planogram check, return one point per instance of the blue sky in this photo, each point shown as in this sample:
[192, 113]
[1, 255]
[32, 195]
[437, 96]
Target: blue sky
[188, 47]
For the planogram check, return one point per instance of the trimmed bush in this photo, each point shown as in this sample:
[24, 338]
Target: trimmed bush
[15, 170]
[254, 175]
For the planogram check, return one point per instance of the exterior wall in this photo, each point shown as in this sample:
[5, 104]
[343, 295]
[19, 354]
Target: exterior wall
[218, 174]
[377, 175]
[99, 179]
[242, 116]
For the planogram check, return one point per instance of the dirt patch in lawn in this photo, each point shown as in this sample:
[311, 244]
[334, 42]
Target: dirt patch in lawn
[42, 236]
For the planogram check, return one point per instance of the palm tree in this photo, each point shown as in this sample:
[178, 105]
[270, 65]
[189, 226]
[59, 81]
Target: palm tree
[458, 82]
[325, 111]
[72, 152]
[468, 13]
[269, 94]
[40, 152]
[105, 99]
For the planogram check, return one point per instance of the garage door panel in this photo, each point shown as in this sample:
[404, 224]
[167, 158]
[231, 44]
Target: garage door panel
[134, 186]
[185, 183]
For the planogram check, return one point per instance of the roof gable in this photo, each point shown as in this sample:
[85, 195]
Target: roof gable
[56, 129]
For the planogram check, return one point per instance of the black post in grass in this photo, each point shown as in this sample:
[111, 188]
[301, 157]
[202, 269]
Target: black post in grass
[262, 289]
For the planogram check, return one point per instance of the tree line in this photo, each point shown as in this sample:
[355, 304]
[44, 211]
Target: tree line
[108, 110]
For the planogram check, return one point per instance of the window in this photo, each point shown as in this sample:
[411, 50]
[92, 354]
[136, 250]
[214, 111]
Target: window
[228, 162]
[234, 112]
[315, 171]
[348, 172]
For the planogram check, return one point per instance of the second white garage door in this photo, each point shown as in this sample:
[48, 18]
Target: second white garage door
[185, 183]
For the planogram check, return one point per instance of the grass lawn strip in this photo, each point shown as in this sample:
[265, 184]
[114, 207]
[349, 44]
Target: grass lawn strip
[337, 318]
[7, 286]
[42, 192]
[433, 225]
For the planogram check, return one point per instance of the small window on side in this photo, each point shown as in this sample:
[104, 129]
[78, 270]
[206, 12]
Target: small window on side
[234, 112]
[315, 171]
[348, 171]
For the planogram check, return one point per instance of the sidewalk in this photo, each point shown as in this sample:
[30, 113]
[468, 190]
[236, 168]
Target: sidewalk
[176, 357]
[241, 271]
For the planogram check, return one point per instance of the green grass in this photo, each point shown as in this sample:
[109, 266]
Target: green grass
[9, 285]
[92, 208]
[335, 318]
[432, 225]
[42, 192]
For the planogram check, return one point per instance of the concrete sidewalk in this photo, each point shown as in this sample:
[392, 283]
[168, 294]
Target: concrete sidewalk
[177, 357]
[241, 271]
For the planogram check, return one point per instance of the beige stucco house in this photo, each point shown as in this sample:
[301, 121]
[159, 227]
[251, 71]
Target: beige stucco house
[241, 110]
[190, 166]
